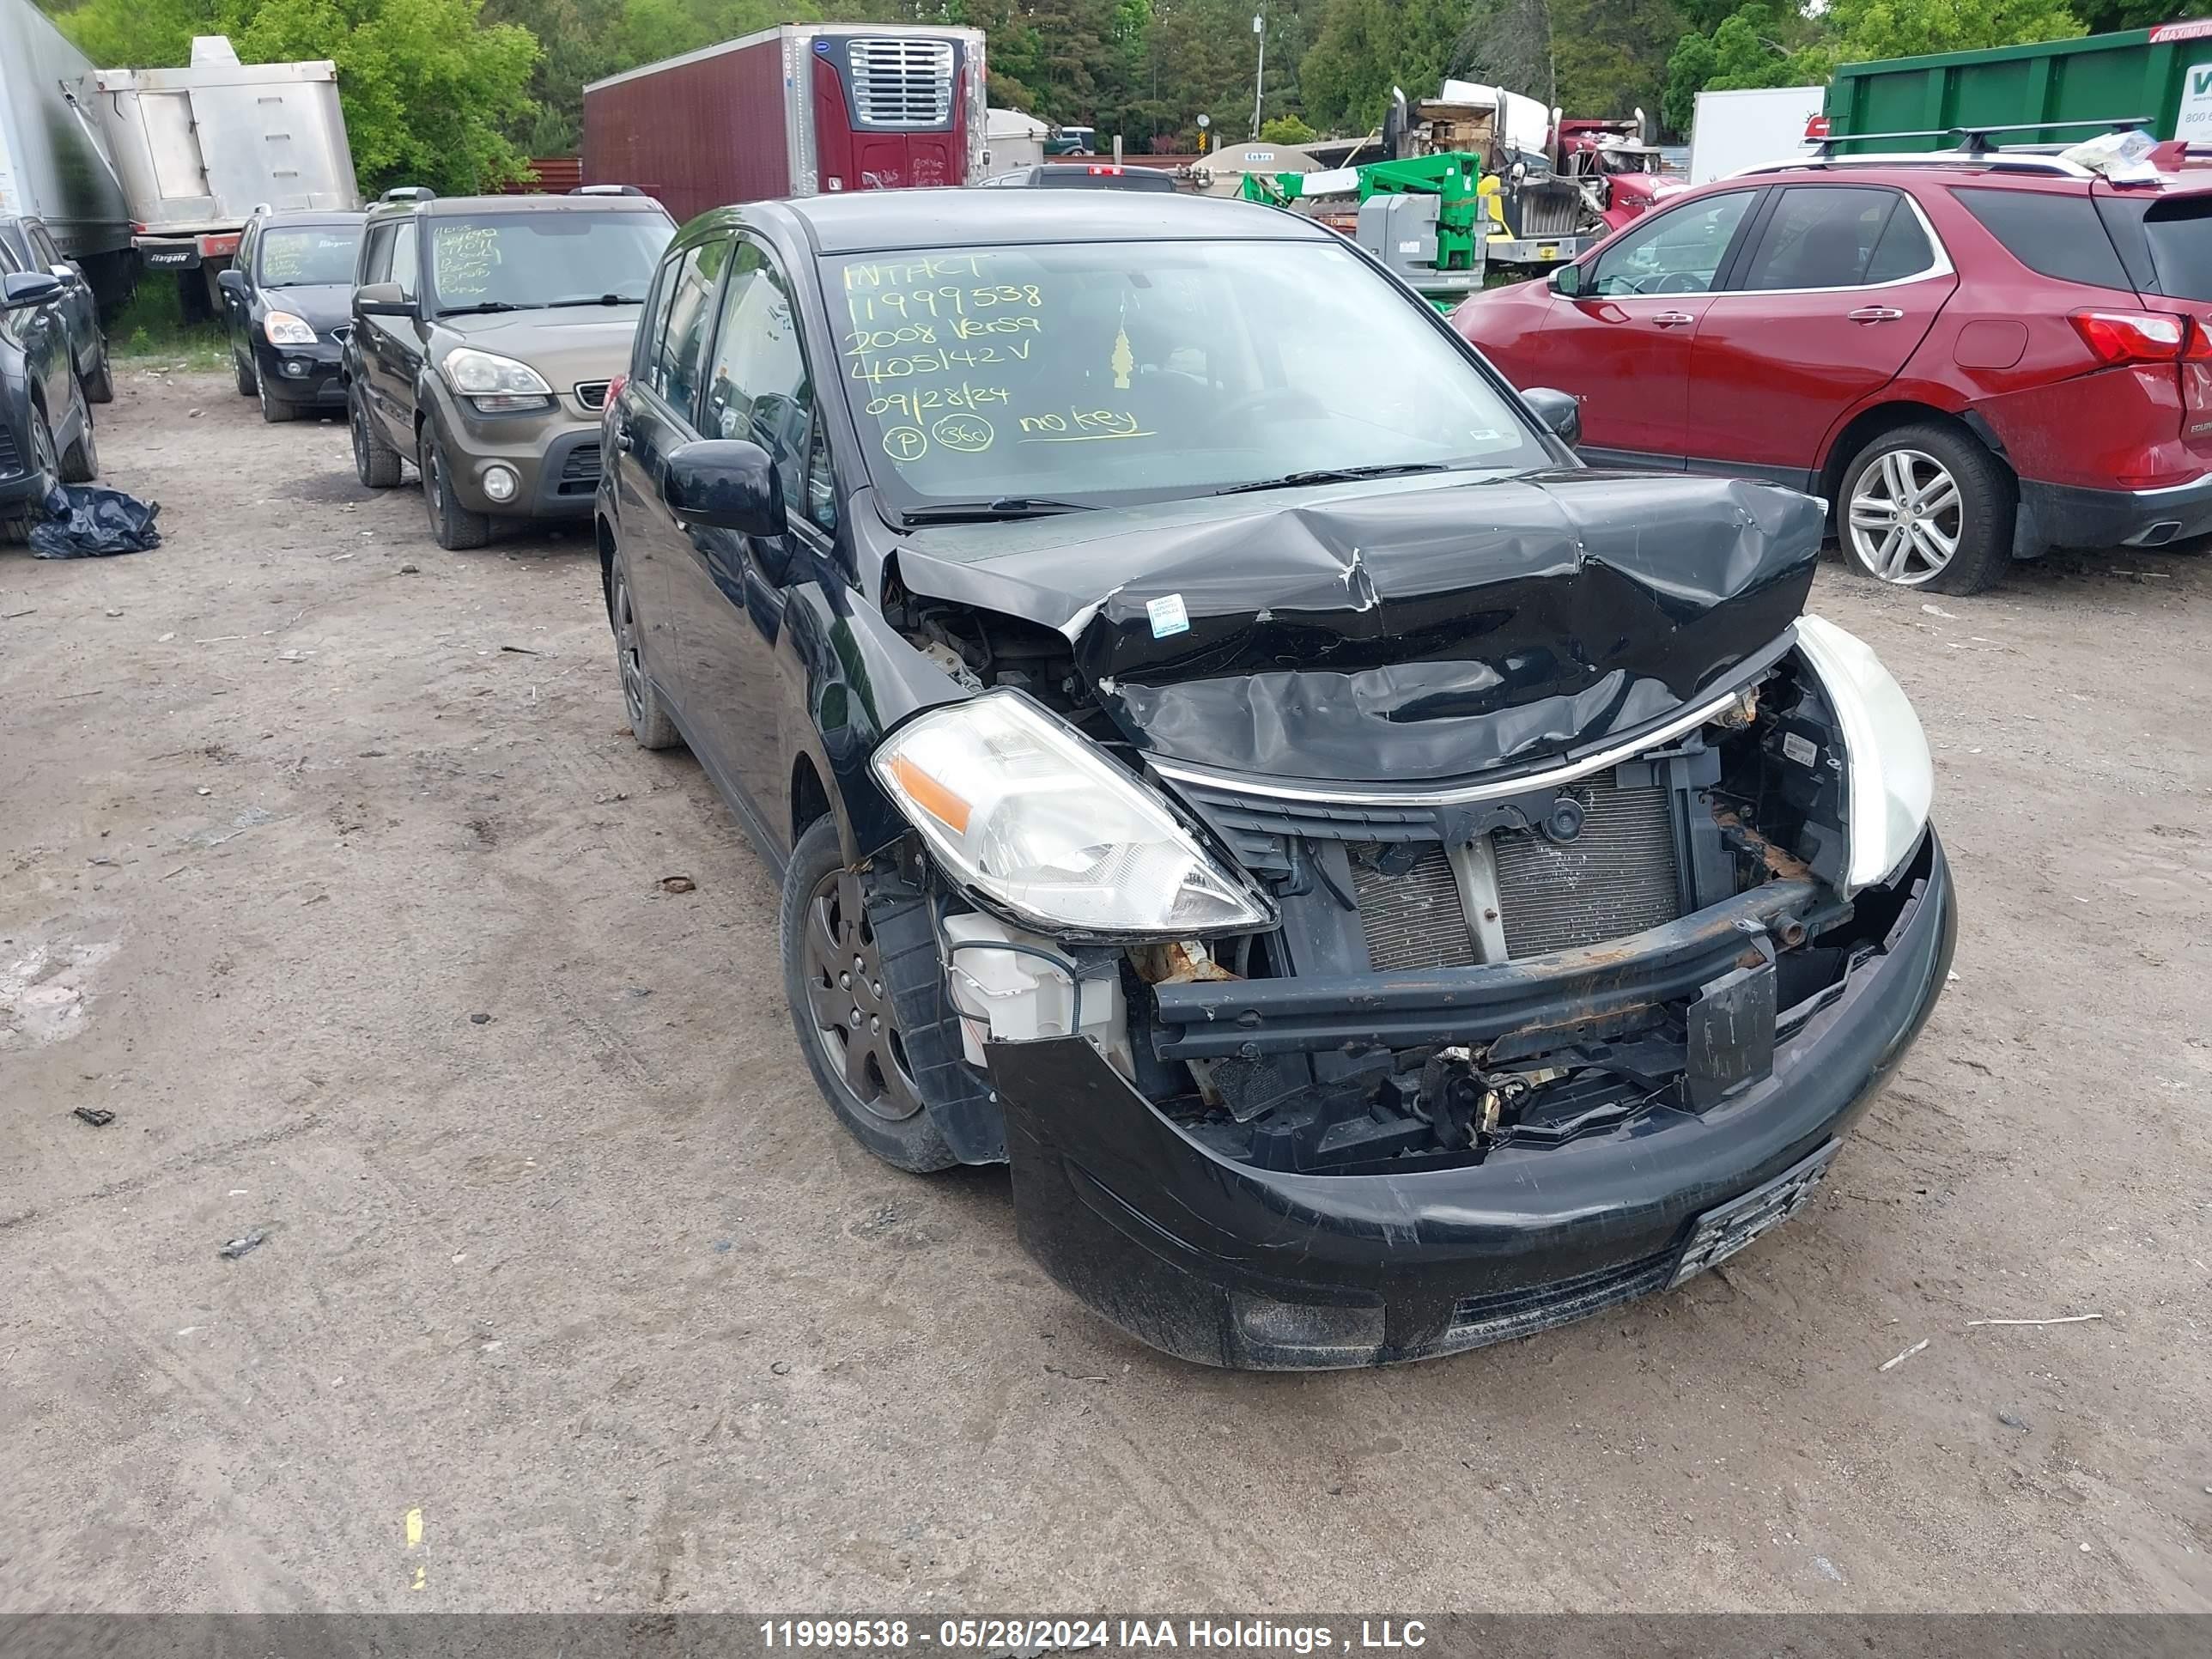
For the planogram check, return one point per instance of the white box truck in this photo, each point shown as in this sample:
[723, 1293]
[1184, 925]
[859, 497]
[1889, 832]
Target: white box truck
[1733, 131]
[54, 159]
[200, 147]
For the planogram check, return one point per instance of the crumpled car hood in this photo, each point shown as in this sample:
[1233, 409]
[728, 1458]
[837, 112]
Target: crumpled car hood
[1416, 629]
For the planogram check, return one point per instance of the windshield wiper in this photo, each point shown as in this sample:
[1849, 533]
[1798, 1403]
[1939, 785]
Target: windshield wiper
[1328, 475]
[597, 300]
[1005, 507]
[477, 310]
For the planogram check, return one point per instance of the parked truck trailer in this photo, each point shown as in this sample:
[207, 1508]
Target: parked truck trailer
[200, 147]
[800, 110]
[54, 161]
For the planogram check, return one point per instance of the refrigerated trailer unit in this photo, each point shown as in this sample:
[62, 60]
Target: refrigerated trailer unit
[801, 110]
[54, 161]
[200, 147]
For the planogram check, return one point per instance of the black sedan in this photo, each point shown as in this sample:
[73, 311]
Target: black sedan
[45, 420]
[287, 301]
[1384, 886]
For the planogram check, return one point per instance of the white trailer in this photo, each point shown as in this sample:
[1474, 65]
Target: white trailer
[1733, 131]
[200, 147]
[54, 161]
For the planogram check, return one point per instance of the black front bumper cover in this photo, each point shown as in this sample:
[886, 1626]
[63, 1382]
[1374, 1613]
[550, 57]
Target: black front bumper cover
[1220, 1262]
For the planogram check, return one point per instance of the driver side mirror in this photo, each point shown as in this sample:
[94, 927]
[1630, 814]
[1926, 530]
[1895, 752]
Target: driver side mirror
[1561, 413]
[232, 282]
[726, 483]
[383, 299]
[67, 275]
[24, 288]
[1567, 281]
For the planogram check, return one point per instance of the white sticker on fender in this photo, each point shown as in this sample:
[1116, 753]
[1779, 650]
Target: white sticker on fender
[1168, 615]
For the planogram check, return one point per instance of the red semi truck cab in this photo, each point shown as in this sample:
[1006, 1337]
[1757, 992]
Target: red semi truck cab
[801, 110]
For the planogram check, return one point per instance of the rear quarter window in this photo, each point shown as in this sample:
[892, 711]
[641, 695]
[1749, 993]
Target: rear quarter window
[2058, 236]
[2165, 240]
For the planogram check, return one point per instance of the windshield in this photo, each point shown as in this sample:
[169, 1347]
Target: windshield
[309, 255]
[505, 261]
[1112, 371]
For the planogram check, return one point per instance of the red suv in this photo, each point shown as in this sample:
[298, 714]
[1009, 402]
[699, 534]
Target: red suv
[1972, 358]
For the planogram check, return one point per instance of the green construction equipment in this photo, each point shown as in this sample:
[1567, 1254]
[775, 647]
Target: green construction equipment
[1422, 216]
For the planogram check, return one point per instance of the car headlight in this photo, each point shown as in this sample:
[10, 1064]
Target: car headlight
[496, 385]
[1888, 779]
[283, 328]
[1025, 814]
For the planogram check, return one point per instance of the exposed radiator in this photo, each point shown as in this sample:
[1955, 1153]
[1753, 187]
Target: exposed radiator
[1415, 919]
[1616, 878]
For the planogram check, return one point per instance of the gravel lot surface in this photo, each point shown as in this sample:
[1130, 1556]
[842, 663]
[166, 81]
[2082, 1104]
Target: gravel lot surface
[327, 865]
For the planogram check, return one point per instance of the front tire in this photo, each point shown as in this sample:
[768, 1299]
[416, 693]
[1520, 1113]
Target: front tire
[455, 528]
[649, 722]
[249, 383]
[841, 1008]
[275, 410]
[1927, 507]
[375, 462]
[45, 464]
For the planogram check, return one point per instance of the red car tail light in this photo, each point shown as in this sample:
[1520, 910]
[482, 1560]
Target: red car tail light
[615, 388]
[2131, 337]
[2198, 349]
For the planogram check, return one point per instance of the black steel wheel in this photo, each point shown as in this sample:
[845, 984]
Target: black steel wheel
[375, 462]
[649, 722]
[841, 1007]
[455, 528]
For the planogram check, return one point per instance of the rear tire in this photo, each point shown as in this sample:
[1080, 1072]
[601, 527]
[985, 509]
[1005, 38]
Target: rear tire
[842, 1015]
[456, 528]
[1927, 507]
[649, 722]
[375, 462]
[80, 462]
[99, 385]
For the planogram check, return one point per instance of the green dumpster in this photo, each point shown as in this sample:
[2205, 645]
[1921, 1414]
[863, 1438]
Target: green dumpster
[2059, 92]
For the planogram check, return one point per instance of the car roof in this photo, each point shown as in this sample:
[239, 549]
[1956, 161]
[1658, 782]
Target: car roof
[440, 207]
[880, 221]
[311, 216]
[2012, 171]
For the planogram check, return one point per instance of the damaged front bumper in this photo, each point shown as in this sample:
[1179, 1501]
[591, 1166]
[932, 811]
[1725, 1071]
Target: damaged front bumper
[1222, 1261]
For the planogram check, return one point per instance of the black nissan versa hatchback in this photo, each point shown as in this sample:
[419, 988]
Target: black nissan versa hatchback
[1382, 884]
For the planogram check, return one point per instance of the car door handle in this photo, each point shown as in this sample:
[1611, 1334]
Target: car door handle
[1875, 314]
[1673, 320]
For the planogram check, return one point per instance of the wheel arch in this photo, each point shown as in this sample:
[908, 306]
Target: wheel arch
[1868, 424]
[810, 800]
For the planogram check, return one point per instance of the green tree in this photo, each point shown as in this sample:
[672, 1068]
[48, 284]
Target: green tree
[1287, 129]
[431, 92]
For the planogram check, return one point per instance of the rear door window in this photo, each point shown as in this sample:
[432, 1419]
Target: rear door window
[2056, 234]
[1822, 236]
